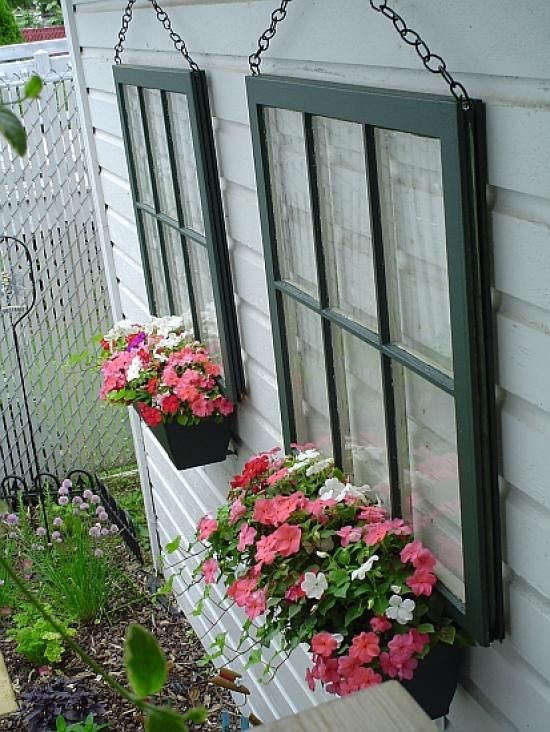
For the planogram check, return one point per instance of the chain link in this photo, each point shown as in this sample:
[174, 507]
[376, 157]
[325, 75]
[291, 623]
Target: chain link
[162, 17]
[432, 61]
[278, 15]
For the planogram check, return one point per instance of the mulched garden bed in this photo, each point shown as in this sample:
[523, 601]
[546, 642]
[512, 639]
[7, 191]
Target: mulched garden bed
[188, 684]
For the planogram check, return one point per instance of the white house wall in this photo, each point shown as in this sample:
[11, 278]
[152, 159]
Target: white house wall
[500, 50]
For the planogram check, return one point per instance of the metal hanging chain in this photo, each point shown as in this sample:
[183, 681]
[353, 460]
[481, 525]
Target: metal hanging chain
[432, 61]
[255, 59]
[162, 17]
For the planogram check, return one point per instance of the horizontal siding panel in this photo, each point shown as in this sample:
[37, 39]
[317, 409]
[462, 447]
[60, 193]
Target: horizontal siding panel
[235, 158]
[467, 714]
[110, 154]
[130, 273]
[249, 276]
[529, 619]
[256, 338]
[132, 306]
[123, 234]
[104, 113]
[243, 216]
[116, 193]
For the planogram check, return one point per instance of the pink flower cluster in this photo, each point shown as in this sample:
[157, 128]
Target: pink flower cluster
[164, 376]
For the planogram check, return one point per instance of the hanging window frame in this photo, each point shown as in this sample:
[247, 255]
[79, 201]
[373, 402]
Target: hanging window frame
[462, 137]
[192, 85]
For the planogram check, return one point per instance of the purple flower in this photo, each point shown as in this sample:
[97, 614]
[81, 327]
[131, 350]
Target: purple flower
[84, 507]
[103, 516]
[114, 529]
[63, 491]
[104, 532]
[136, 341]
[77, 500]
[11, 519]
[58, 521]
[95, 499]
[95, 531]
[98, 553]
[63, 500]
[41, 531]
[87, 494]
[99, 510]
[56, 536]
[67, 483]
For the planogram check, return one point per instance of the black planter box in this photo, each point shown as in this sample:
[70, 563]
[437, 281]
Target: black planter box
[435, 679]
[188, 446]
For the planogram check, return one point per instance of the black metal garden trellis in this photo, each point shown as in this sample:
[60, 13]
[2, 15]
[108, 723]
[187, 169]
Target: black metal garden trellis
[18, 297]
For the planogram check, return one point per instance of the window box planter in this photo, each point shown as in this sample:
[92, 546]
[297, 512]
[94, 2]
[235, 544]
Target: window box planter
[188, 446]
[435, 679]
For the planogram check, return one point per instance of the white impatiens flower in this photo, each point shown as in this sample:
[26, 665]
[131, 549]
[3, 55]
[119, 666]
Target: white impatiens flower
[121, 329]
[333, 489]
[319, 466]
[396, 589]
[314, 585]
[172, 340]
[400, 610]
[166, 325]
[361, 571]
[303, 459]
[134, 370]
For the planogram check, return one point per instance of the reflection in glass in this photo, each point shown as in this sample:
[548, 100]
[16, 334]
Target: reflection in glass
[291, 198]
[137, 145]
[178, 278]
[345, 219]
[361, 412]
[204, 299]
[154, 256]
[413, 219]
[307, 373]
[186, 166]
[429, 471]
[159, 151]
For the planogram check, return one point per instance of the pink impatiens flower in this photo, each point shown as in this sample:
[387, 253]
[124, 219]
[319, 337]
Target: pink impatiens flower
[207, 526]
[238, 510]
[349, 534]
[324, 644]
[421, 582]
[375, 533]
[286, 539]
[255, 604]
[365, 647]
[210, 569]
[418, 556]
[247, 535]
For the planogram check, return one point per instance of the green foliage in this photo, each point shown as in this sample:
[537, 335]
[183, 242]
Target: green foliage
[9, 32]
[88, 725]
[145, 662]
[11, 127]
[35, 637]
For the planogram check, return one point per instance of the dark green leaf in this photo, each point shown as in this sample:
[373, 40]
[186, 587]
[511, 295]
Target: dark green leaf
[426, 628]
[447, 634]
[33, 87]
[12, 130]
[144, 661]
[341, 590]
[353, 613]
[165, 720]
[254, 657]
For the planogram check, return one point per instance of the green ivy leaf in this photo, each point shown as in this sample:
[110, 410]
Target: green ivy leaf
[353, 613]
[165, 720]
[33, 87]
[145, 663]
[426, 628]
[173, 546]
[254, 658]
[167, 587]
[341, 590]
[12, 130]
[447, 634]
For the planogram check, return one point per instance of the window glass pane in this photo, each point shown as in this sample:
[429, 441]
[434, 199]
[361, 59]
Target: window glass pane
[137, 142]
[361, 412]
[159, 152]
[413, 220]
[204, 299]
[307, 371]
[291, 198]
[178, 279]
[429, 471]
[154, 256]
[345, 219]
[186, 166]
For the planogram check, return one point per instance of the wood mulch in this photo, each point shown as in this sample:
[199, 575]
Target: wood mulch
[188, 684]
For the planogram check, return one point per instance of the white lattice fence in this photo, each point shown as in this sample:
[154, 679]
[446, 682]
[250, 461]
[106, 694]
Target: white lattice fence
[45, 200]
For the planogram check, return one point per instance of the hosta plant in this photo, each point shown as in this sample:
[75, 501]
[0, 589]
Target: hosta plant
[163, 372]
[312, 559]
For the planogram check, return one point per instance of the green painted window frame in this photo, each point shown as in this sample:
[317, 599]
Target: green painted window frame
[193, 85]
[462, 138]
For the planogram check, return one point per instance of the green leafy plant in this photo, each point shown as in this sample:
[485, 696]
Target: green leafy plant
[313, 559]
[88, 725]
[9, 32]
[35, 637]
[147, 662]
